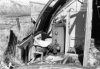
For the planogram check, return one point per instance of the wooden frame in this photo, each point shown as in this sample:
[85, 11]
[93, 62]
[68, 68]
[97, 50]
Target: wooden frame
[88, 32]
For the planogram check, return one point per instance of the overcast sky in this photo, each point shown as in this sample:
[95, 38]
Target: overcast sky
[41, 1]
[27, 1]
[24, 2]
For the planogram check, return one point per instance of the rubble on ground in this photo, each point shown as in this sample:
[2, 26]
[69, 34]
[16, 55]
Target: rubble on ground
[94, 54]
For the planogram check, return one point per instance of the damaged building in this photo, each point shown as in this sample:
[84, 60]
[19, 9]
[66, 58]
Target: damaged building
[61, 34]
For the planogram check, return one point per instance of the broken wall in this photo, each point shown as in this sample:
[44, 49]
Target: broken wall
[76, 13]
[10, 23]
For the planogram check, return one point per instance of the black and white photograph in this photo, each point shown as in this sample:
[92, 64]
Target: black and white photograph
[49, 34]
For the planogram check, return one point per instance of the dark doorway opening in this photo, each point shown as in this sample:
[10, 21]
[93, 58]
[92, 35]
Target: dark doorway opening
[96, 22]
[25, 53]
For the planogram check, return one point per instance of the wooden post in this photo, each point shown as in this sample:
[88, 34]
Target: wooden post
[88, 32]
[18, 23]
[67, 41]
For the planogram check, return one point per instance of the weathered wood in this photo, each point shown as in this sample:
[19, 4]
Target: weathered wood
[24, 43]
[67, 44]
[88, 32]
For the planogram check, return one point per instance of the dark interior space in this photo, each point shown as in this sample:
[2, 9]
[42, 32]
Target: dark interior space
[46, 17]
[11, 48]
[95, 29]
[96, 21]
[25, 53]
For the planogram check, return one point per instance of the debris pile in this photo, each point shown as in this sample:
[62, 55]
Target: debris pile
[94, 54]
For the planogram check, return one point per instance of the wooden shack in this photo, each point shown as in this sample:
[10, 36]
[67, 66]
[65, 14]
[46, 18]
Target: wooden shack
[73, 33]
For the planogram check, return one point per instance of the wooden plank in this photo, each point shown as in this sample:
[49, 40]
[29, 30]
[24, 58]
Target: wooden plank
[23, 43]
[88, 32]
[67, 43]
[83, 6]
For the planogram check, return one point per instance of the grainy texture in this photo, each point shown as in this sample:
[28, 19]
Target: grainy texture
[42, 66]
[14, 8]
[88, 32]
[7, 24]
